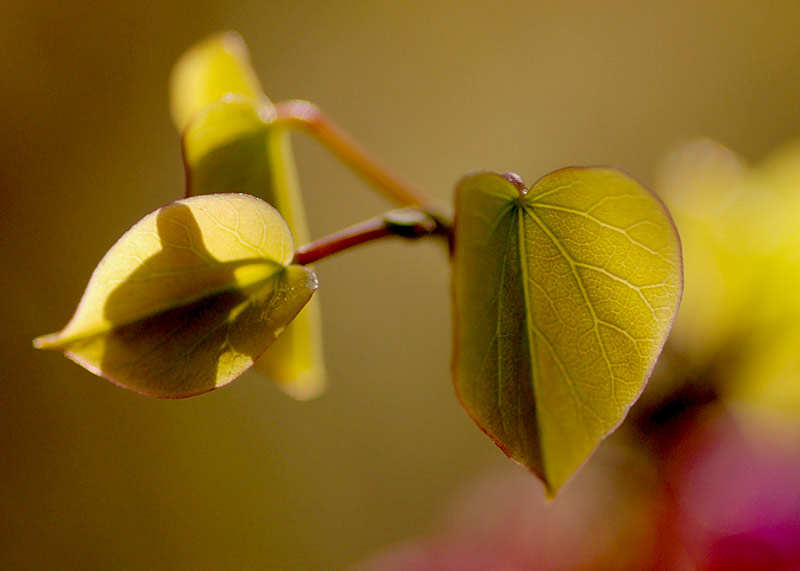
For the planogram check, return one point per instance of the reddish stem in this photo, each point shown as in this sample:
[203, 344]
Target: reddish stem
[410, 223]
[308, 117]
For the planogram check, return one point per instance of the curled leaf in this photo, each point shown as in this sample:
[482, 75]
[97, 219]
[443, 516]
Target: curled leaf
[563, 298]
[231, 144]
[188, 298]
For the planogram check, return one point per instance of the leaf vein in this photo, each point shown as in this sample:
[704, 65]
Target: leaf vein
[623, 231]
[584, 293]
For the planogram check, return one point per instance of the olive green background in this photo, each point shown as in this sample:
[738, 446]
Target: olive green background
[95, 476]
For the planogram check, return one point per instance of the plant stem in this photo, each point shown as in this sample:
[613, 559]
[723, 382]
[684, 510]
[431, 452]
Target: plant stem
[409, 223]
[308, 117]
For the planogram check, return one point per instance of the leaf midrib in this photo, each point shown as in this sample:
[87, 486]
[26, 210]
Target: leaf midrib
[106, 326]
[530, 327]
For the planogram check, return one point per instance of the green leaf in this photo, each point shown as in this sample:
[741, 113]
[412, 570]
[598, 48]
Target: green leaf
[231, 144]
[563, 295]
[188, 298]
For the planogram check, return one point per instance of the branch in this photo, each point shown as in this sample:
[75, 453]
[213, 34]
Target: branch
[308, 117]
[409, 223]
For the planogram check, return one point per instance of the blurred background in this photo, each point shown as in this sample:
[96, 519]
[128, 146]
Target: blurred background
[244, 477]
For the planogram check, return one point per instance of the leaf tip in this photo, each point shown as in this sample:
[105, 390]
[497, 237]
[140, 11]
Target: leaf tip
[45, 341]
[51, 342]
[306, 385]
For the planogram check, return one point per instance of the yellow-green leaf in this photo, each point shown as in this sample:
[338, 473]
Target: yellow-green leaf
[563, 295]
[188, 298]
[232, 145]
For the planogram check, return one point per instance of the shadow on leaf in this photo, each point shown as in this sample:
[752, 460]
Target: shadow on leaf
[238, 165]
[207, 330]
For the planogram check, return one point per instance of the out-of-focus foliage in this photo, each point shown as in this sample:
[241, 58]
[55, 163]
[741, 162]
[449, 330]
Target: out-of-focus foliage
[230, 144]
[188, 298]
[564, 295]
[741, 230]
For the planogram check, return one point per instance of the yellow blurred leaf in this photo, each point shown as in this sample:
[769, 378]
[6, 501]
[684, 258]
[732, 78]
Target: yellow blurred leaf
[230, 144]
[779, 176]
[698, 184]
[564, 295]
[188, 298]
[768, 372]
[740, 227]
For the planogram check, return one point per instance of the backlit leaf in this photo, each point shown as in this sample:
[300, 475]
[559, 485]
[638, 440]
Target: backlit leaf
[563, 295]
[231, 144]
[188, 298]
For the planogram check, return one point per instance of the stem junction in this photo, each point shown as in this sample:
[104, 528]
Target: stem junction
[409, 223]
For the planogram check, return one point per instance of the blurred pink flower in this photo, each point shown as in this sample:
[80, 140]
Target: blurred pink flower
[606, 518]
[737, 484]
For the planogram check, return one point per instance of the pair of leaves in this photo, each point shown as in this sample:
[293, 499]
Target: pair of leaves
[196, 291]
[231, 144]
[563, 298]
[563, 294]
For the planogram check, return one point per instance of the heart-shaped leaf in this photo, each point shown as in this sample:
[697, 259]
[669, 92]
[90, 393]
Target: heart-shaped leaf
[188, 298]
[563, 295]
[231, 144]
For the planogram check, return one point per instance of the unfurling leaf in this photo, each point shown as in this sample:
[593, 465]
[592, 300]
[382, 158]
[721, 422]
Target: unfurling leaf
[231, 144]
[212, 69]
[188, 298]
[563, 296]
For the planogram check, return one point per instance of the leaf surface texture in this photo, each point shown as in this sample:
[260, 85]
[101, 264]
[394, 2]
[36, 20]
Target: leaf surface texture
[188, 298]
[564, 295]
